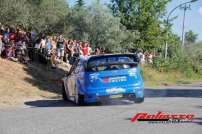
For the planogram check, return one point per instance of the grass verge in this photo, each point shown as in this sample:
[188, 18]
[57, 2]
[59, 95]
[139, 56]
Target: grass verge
[154, 78]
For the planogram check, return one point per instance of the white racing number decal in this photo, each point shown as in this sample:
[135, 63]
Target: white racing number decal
[115, 90]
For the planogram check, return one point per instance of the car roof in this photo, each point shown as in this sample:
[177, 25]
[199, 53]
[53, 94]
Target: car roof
[109, 55]
[87, 58]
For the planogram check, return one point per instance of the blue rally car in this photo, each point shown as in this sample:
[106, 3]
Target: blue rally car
[104, 77]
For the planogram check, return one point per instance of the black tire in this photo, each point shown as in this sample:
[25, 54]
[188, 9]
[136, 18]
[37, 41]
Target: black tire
[81, 100]
[139, 100]
[64, 95]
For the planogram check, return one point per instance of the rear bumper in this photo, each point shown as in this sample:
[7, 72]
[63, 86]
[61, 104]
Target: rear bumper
[130, 96]
[101, 95]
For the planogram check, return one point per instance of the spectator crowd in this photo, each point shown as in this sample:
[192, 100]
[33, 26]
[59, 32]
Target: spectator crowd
[19, 45]
[146, 57]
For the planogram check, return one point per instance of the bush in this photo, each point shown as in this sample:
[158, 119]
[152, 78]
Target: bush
[183, 60]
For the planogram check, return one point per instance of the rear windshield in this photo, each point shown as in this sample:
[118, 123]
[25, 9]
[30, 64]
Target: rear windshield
[106, 63]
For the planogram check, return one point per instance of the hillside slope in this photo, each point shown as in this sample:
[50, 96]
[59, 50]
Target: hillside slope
[19, 83]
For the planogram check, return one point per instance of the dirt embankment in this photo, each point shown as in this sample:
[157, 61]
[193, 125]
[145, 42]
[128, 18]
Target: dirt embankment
[19, 83]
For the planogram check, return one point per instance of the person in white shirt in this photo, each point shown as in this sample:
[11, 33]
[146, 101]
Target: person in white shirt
[150, 58]
[141, 56]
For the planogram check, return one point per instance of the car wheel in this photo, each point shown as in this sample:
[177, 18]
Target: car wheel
[139, 100]
[80, 100]
[64, 95]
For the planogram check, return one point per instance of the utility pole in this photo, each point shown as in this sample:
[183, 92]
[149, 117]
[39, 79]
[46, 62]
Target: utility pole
[185, 7]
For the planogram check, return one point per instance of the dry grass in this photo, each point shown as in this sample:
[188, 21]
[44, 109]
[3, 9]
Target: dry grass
[19, 83]
[154, 78]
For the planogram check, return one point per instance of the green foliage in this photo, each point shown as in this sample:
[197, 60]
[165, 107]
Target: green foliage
[80, 3]
[104, 29]
[14, 12]
[190, 37]
[187, 60]
[39, 15]
[97, 25]
[144, 16]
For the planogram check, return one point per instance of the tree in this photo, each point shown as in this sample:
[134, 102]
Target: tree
[80, 3]
[15, 12]
[143, 16]
[40, 15]
[190, 37]
[97, 25]
[104, 30]
[49, 15]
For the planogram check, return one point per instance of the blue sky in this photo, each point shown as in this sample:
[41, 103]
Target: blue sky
[193, 16]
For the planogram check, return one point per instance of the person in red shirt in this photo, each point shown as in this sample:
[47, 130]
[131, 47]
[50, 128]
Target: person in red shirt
[84, 49]
[12, 35]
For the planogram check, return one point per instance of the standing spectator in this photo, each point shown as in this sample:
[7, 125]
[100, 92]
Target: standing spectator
[60, 47]
[43, 43]
[84, 49]
[42, 50]
[53, 52]
[67, 51]
[48, 45]
[37, 44]
[11, 35]
[150, 58]
[1, 44]
[17, 35]
[77, 47]
[37, 49]
[141, 56]
[33, 35]
[89, 49]
[97, 51]
[72, 52]
[6, 36]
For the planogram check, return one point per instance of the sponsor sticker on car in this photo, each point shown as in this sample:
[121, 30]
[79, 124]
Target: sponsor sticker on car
[115, 90]
[114, 79]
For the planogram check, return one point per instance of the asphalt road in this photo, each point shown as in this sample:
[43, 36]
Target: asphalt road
[57, 117]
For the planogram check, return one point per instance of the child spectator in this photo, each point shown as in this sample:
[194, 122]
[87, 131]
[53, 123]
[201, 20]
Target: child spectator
[48, 46]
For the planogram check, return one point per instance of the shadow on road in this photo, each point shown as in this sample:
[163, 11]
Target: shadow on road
[61, 103]
[149, 93]
[170, 92]
[49, 103]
